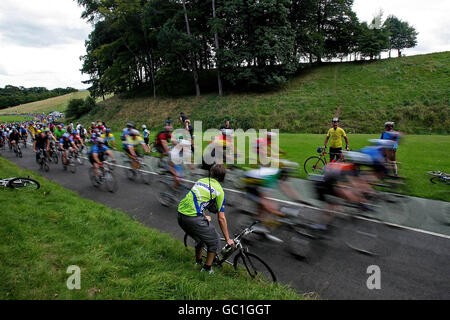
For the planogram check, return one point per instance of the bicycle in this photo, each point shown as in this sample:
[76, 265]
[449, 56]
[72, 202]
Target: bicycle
[54, 158]
[316, 164]
[17, 150]
[42, 161]
[69, 163]
[143, 170]
[167, 195]
[106, 177]
[254, 265]
[439, 177]
[20, 183]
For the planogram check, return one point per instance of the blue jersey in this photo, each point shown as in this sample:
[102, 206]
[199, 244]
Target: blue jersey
[391, 135]
[375, 153]
[96, 149]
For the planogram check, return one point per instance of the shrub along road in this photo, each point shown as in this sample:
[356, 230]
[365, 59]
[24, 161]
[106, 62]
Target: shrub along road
[413, 264]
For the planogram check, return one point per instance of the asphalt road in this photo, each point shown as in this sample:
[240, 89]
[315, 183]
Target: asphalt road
[412, 264]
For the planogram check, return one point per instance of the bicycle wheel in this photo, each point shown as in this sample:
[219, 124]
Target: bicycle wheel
[54, 157]
[19, 153]
[362, 236]
[24, 183]
[92, 177]
[255, 266]
[146, 176]
[314, 165]
[165, 196]
[131, 174]
[72, 166]
[110, 182]
[439, 180]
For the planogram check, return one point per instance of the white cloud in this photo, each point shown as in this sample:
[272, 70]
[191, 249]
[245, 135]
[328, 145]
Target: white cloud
[41, 42]
[429, 18]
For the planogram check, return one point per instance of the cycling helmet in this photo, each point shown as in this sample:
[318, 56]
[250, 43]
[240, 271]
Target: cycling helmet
[130, 124]
[75, 132]
[108, 130]
[389, 124]
[358, 158]
[100, 140]
[335, 119]
[66, 135]
[38, 131]
[144, 126]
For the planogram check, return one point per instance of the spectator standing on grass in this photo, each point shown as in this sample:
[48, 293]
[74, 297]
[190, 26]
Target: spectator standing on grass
[390, 153]
[145, 134]
[207, 193]
[335, 135]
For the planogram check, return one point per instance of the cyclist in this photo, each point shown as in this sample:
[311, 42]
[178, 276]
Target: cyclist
[145, 134]
[258, 184]
[97, 155]
[14, 139]
[23, 133]
[108, 137]
[390, 154]
[207, 193]
[162, 141]
[59, 131]
[41, 142]
[32, 129]
[335, 136]
[66, 143]
[263, 146]
[129, 146]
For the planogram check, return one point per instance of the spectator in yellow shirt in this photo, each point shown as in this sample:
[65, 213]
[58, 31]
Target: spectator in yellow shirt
[335, 136]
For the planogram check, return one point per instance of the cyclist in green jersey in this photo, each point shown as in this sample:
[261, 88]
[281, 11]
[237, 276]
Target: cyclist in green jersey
[207, 193]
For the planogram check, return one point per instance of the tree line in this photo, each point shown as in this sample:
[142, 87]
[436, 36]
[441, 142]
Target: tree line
[225, 44]
[11, 96]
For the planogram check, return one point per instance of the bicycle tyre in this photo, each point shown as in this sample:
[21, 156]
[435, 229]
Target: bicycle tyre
[439, 180]
[249, 261]
[165, 197]
[314, 165]
[55, 157]
[92, 177]
[72, 166]
[145, 175]
[19, 183]
[110, 182]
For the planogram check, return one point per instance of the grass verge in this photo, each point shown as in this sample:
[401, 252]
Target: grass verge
[46, 231]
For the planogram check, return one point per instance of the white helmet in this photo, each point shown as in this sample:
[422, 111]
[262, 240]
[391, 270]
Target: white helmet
[144, 126]
[357, 157]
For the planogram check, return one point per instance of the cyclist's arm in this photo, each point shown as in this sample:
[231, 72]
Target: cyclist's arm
[224, 227]
[326, 141]
[288, 190]
[346, 142]
[164, 144]
[96, 159]
[110, 154]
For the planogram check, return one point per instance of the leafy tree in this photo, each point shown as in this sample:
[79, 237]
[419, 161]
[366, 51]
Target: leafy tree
[402, 35]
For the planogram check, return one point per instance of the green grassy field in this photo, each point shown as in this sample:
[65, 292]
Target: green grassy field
[412, 91]
[5, 119]
[417, 155]
[44, 106]
[43, 232]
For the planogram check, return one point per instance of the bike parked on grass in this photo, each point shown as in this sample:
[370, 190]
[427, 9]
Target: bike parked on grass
[254, 265]
[20, 183]
[316, 164]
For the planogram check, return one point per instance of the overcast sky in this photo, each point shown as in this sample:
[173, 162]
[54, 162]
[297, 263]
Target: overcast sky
[41, 40]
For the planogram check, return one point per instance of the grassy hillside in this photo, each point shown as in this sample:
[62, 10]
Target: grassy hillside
[412, 91]
[46, 231]
[53, 104]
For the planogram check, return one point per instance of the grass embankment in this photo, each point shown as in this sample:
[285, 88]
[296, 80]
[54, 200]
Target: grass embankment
[44, 106]
[9, 119]
[412, 91]
[45, 231]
